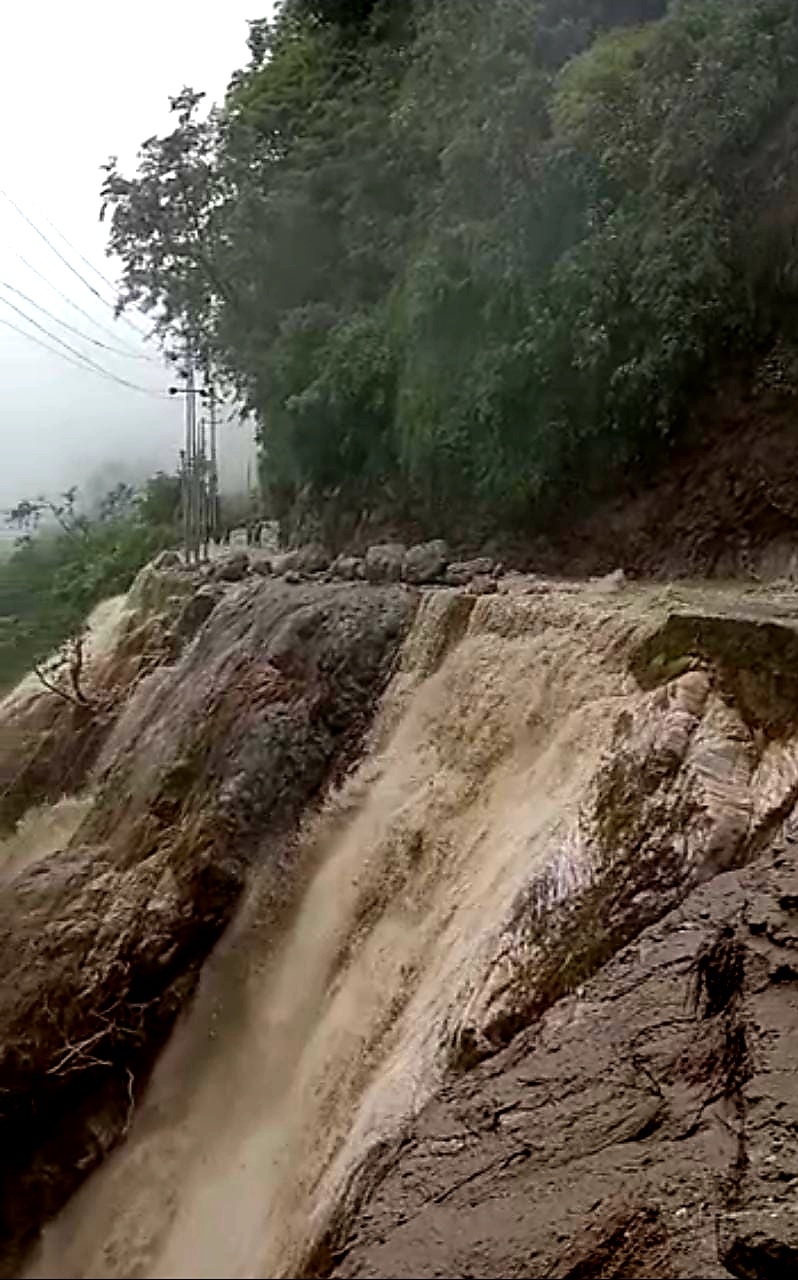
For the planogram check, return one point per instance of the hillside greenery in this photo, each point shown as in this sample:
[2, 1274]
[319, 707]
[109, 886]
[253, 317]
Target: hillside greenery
[65, 561]
[468, 260]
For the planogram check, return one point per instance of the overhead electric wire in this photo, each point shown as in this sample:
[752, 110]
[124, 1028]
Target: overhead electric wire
[86, 361]
[76, 364]
[51, 246]
[78, 254]
[80, 363]
[9, 324]
[66, 261]
[92, 267]
[86, 337]
[106, 329]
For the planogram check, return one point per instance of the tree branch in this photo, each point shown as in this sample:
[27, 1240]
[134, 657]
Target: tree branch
[54, 688]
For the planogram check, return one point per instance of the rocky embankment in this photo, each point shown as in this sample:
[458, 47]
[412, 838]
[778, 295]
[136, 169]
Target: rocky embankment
[203, 763]
[645, 1126]
[536, 989]
[642, 1121]
[424, 564]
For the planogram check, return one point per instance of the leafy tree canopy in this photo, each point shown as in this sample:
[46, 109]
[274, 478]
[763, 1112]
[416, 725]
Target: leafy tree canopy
[466, 259]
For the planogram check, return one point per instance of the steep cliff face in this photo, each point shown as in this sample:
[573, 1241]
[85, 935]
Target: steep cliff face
[209, 766]
[483, 905]
[646, 1126]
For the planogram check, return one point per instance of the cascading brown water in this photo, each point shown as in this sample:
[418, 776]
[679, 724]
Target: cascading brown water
[291, 1063]
[42, 831]
[28, 714]
[483, 805]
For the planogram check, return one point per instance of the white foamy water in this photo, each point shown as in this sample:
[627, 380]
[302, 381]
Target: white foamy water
[43, 830]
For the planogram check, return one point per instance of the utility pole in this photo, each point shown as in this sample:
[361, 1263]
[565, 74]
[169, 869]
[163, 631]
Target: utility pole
[192, 548]
[214, 473]
[193, 467]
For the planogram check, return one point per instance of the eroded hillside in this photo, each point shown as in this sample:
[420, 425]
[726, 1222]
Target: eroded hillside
[438, 882]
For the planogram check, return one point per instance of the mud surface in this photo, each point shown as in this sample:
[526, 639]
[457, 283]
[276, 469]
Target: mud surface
[517, 997]
[620, 1136]
[723, 505]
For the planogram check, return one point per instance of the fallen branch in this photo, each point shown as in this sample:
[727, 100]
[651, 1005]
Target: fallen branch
[76, 670]
[54, 688]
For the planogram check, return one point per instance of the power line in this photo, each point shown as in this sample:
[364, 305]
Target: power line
[82, 311]
[51, 246]
[78, 254]
[66, 261]
[87, 337]
[86, 361]
[79, 363]
[9, 324]
[92, 267]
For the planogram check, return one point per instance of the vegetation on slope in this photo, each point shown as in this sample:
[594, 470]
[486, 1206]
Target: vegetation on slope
[465, 260]
[65, 562]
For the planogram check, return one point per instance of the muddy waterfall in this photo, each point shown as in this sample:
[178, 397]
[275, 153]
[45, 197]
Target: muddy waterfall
[365, 929]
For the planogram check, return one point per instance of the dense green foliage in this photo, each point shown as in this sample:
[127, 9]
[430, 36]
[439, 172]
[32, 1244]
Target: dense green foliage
[465, 259]
[65, 562]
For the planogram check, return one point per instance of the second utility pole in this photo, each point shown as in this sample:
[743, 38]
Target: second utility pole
[193, 540]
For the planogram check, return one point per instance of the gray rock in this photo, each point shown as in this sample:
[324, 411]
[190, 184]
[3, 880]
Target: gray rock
[384, 562]
[314, 558]
[233, 568]
[311, 558]
[574, 1203]
[195, 612]
[261, 566]
[350, 568]
[426, 562]
[282, 562]
[483, 565]
[460, 572]
[482, 585]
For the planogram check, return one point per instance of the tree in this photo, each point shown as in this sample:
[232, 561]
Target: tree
[464, 261]
[163, 226]
[159, 503]
[64, 563]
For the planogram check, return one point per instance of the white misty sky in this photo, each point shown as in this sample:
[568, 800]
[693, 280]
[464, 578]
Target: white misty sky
[79, 82]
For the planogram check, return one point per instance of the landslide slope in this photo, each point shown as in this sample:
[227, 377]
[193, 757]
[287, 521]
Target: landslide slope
[210, 762]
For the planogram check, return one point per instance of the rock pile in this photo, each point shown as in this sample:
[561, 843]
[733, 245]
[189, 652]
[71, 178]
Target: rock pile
[424, 564]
